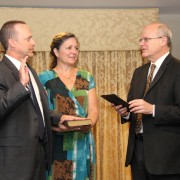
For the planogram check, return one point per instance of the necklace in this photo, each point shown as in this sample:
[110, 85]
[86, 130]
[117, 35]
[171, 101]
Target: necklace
[67, 77]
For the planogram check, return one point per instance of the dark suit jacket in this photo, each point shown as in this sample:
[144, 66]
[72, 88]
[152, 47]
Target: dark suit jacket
[161, 133]
[19, 125]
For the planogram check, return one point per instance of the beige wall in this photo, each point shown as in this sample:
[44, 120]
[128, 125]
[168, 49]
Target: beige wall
[97, 29]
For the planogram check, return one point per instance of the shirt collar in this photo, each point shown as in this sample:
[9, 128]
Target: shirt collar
[14, 61]
[160, 60]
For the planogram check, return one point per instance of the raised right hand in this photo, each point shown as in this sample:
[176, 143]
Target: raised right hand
[23, 72]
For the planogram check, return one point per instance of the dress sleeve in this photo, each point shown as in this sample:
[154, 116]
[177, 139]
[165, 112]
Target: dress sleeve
[92, 83]
[55, 116]
[45, 76]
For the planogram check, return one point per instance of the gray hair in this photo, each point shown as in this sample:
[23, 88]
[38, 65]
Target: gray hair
[164, 30]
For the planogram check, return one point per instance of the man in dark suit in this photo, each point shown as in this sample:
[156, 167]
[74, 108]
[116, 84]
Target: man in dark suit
[25, 153]
[154, 144]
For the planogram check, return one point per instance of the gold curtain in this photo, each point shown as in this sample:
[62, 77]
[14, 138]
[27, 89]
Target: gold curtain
[112, 71]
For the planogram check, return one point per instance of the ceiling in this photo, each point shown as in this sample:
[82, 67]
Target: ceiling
[165, 6]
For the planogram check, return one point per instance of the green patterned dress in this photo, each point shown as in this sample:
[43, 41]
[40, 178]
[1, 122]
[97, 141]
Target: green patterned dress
[73, 152]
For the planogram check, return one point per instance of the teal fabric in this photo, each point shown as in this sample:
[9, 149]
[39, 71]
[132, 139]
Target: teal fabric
[75, 148]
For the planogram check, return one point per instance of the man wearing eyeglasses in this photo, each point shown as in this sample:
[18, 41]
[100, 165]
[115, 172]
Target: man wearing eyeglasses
[154, 135]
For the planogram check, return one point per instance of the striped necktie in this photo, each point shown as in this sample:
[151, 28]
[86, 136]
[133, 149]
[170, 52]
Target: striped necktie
[138, 124]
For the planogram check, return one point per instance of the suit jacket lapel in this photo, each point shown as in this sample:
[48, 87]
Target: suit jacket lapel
[43, 95]
[12, 67]
[36, 78]
[143, 78]
[160, 72]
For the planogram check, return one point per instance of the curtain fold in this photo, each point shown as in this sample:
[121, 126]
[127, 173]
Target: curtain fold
[112, 71]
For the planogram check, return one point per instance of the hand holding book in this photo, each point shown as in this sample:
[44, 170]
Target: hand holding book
[83, 125]
[114, 99]
[77, 122]
[67, 123]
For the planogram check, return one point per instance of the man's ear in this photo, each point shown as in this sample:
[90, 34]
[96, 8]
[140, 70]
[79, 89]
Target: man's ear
[164, 41]
[12, 42]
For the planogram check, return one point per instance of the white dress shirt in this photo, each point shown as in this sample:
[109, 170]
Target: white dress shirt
[158, 63]
[36, 89]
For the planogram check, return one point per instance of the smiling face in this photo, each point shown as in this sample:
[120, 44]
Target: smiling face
[152, 43]
[22, 43]
[68, 52]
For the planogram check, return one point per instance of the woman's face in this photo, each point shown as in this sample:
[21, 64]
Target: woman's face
[68, 52]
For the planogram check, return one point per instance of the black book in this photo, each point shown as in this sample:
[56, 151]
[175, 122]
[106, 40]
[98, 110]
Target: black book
[113, 98]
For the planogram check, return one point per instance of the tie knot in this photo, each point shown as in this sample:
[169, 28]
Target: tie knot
[153, 66]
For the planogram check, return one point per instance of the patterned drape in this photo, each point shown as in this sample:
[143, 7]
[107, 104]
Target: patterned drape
[112, 71]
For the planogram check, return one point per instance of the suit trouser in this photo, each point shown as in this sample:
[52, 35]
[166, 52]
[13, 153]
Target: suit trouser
[138, 167]
[39, 172]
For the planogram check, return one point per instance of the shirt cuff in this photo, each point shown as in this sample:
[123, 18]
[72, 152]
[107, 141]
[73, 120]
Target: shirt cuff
[126, 117]
[153, 111]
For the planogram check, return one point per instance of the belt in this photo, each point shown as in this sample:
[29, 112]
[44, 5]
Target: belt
[139, 136]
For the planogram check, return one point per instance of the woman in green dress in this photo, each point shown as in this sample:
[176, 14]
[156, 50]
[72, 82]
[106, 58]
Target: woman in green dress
[71, 91]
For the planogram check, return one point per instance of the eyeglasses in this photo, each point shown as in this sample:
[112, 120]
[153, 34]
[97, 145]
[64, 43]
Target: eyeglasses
[147, 39]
